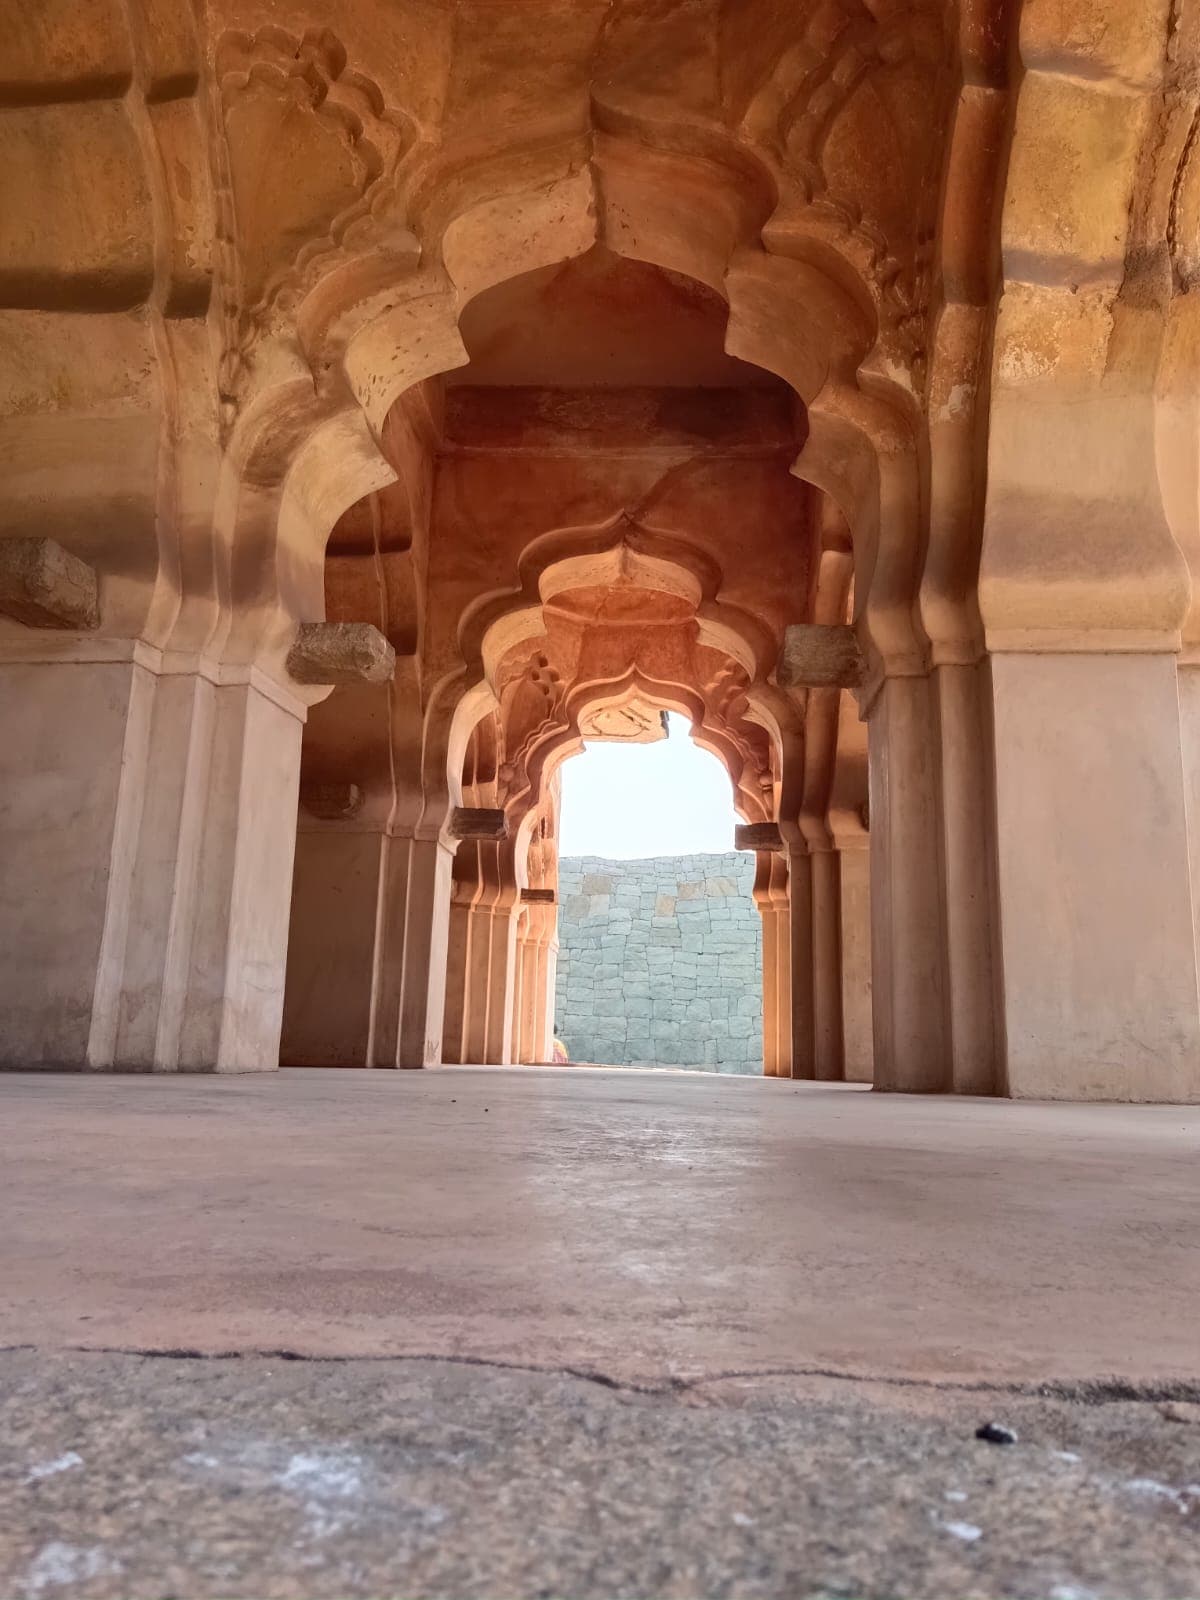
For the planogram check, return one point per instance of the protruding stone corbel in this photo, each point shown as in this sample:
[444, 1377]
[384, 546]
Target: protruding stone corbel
[757, 836]
[340, 652]
[815, 656]
[539, 897]
[477, 822]
[45, 586]
[331, 802]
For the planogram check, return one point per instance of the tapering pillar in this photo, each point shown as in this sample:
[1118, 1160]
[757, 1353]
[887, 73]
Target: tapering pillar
[907, 943]
[147, 821]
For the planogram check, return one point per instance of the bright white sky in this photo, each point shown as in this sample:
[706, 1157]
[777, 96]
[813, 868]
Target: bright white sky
[627, 801]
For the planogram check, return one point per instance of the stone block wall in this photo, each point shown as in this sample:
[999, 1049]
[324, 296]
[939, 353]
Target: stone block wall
[660, 962]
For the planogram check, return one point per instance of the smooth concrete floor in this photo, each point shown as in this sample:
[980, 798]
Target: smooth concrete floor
[640, 1224]
[483, 1332]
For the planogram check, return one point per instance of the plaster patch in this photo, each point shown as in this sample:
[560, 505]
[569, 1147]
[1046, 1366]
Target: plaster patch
[900, 375]
[1019, 364]
[958, 402]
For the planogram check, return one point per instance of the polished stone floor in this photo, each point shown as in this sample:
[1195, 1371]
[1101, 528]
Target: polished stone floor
[481, 1331]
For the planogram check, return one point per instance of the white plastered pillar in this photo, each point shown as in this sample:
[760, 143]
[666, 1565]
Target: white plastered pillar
[147, 827]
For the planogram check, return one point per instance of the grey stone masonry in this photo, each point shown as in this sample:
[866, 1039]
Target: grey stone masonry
[660, 962]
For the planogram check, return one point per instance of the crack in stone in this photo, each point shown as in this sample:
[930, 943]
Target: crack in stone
[1088, 1391]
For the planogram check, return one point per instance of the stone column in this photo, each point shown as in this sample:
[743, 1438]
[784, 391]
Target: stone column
[543, 1038]
[761, 893]
[491, 957]
[331, 944]
[781, 897]
[828, 1051]
[1097, 934]
[770, 896]
[1084, 589]
[478, 970]
[524, 958]
[502, 980]
[854, 871]
[410, 954]
[534, 999]
[800, 949]
[967, 852]
[907, 939]
[1189, 729]
[465, 887]
[147, 826]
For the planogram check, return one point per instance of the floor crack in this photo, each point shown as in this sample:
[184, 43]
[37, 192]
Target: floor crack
[1085, 1391]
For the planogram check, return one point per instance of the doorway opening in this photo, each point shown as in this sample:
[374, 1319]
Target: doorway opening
[659, 939]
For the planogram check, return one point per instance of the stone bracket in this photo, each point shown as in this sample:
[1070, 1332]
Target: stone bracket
[340, 652]
[815, 656]
[757, 836]
[539, 897]
[45, 586]
[477, 822]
